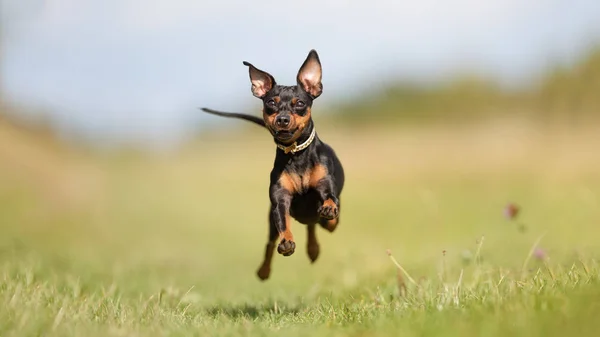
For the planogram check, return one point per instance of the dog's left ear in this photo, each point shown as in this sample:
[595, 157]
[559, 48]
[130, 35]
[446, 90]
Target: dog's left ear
[309, 75]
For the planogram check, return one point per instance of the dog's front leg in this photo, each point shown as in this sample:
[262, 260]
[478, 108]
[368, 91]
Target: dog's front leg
[329, 210]
[281, 200]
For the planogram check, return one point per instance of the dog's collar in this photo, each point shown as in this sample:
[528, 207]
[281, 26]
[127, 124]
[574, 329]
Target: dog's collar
[295, 147]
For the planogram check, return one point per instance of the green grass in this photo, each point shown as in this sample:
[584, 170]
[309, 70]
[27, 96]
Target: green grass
[101, 245]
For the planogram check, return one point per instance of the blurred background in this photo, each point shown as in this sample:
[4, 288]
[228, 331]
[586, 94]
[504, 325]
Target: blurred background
[442, 113]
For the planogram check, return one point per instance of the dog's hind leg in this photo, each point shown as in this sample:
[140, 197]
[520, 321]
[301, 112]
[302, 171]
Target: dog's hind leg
[265, 269]
[312, 245]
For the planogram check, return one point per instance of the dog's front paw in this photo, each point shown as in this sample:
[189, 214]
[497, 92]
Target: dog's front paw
[328, 210]
[286, 247]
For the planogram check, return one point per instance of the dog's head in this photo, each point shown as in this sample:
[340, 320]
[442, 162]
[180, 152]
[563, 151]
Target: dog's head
[287, 109]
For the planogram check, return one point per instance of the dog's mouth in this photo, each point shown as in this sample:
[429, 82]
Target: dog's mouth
[284, 135]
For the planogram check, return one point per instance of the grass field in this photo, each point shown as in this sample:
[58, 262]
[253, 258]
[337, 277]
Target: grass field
[129, 245]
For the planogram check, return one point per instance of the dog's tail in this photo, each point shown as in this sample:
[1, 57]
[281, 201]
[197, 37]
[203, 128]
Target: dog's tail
[250, 118]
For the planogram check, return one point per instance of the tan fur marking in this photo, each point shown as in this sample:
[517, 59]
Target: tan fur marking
[329, 203]
[295, 183]
[300, 122]
[332, 224]
[287, 233]
[290, 182]
[269, 120]
[318, 172]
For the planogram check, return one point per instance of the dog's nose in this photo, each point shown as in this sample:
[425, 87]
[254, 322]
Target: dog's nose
[282, 121]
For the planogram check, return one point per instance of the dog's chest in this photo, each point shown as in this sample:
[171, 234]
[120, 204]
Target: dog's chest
[300, 183]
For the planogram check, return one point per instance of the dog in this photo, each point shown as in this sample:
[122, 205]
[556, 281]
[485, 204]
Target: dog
[307, 176]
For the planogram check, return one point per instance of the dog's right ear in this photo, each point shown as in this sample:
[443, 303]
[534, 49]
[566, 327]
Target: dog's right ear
[261, 81]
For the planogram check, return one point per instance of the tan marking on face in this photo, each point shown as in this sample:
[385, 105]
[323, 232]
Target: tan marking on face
[270, 119]
[294, 101]
[299, 122]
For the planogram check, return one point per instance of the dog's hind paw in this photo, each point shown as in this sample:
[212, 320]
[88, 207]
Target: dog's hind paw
[313, 252]
[264, 272]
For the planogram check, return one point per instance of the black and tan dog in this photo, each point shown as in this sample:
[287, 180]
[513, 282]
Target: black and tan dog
[307, 177]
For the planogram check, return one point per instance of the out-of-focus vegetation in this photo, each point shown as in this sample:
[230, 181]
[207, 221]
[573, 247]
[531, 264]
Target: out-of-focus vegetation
[563, 94]
[125, 245]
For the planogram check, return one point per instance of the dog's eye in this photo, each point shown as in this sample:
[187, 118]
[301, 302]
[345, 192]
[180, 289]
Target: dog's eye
[300, 104]
[271, 103]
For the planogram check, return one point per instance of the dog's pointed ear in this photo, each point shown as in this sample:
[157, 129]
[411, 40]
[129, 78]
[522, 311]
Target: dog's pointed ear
[309, 75]
[261, 81]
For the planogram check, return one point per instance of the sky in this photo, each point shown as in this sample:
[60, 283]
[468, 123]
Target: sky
[136, 70]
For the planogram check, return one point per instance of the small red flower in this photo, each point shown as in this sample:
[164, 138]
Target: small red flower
[540, 254]
[511, 211]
